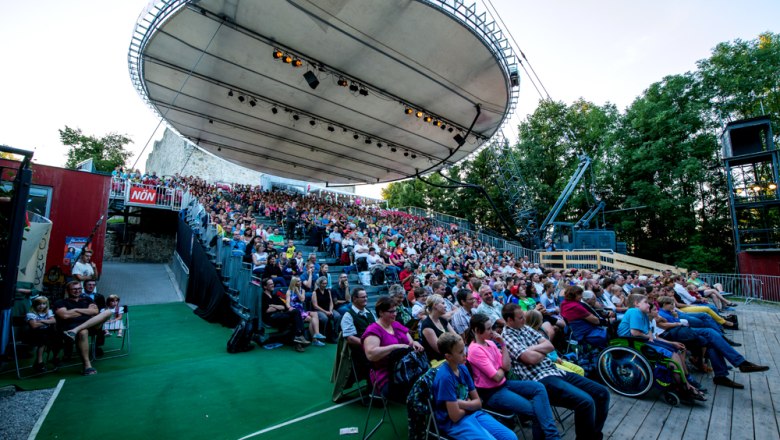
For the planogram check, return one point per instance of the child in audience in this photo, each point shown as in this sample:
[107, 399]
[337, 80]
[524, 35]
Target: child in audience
[115, 322]
[457, 407]
[43, 332]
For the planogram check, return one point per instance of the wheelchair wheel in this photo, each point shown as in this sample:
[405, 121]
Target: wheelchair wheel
[625, 371]
[671, 398]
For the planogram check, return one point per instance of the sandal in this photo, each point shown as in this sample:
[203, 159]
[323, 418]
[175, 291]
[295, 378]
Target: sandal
[89, 372]
[70, 334]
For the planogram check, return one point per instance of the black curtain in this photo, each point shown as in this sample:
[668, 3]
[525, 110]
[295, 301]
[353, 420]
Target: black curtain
[185, 242]
[205, 290]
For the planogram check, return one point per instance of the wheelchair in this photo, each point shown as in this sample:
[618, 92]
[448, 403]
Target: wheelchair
[631, 368]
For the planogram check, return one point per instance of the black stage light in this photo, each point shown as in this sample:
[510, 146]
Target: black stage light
[355, 136]
[443, 127]
[393, 149]
[414, 156]
[312, 122]
[331, 129]
[450, 129]
[211, 121]
[459, 139]
[379, 145]
[241, 98]
[406, 153]
[296, 117]
[230, 93]
[364, 92]
[277, 54]
[311, 78]
[287, 59]
[342, 82]
[297, 63]
[219, 148]
[353, 87]
[408, 111]
[427, 118]
[274, 110]
[252, 102]
[368, 141]
[419, 114]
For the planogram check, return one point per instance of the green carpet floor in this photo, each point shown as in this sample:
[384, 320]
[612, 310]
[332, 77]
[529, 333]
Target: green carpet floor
[180, 382]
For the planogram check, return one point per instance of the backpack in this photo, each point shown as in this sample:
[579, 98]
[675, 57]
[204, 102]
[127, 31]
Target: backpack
[408, 365]
[241, 339]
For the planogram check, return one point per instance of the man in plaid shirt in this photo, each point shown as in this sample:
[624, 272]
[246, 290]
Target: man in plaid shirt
[528, 351]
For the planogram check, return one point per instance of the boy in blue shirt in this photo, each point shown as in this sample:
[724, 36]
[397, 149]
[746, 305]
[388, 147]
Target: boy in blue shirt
[457, 407]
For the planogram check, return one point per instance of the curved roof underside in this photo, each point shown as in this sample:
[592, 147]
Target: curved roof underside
[405, 53]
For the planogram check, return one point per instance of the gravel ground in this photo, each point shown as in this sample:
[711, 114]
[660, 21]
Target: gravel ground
[20, 412]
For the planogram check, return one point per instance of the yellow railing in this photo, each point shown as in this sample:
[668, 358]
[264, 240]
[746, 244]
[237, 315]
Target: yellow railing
[593, 260]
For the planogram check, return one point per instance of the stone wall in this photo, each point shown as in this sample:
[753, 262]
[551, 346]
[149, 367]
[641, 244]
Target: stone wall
[173, 154]
[146, 247]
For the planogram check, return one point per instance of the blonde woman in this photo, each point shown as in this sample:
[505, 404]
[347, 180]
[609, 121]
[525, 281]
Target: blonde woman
[296, 298]
[433, 326]
[533, 319]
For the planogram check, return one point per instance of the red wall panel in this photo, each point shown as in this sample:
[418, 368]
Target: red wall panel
[759, 263]
[78, 200]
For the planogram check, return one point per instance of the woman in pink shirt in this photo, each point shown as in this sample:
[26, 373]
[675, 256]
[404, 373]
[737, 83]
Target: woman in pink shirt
[490, 366]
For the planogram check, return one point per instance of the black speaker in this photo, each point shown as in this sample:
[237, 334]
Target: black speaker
[311, 78]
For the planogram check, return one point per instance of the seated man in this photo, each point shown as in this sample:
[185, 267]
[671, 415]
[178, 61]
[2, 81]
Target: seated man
[354, 323]
[528, 352]
[76, 315]
[490, 307]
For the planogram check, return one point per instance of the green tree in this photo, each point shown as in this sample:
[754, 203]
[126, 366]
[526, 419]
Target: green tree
[107, 152]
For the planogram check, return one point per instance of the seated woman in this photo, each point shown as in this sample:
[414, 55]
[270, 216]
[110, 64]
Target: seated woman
[533, 319]
[296, 299]
[323, 305]
[586, 325]
[280, 314]
[259, 260]
[712, 292]
[382, 338]
[273, 271]
[636, 324]
[433, 326]
[456, 404]
[491, 365]
[696, 309]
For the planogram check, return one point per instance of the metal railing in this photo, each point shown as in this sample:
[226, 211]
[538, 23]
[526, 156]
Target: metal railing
[158, 196]
[446, 220]
[751, 287]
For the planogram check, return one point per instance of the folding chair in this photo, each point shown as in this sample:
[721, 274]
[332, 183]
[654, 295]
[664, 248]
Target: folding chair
[372, 396]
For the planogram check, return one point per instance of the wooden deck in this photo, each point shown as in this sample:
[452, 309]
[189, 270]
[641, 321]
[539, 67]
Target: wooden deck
[750, 413]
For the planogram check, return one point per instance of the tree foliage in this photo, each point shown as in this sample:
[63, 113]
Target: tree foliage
[107, 152]
[660, 156]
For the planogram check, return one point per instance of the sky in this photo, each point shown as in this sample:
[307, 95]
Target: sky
[64, 63]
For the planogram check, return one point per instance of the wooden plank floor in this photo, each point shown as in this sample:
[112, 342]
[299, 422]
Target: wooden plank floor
[751, 413]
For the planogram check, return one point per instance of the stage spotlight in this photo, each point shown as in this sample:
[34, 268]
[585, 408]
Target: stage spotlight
[772, 186]
[219, 148]
[368, 141]
[353, 87]
[450, 129]
[427, 118]
[355, 136]
[297, 63]
[296, 117]
[459, 139]
[241, 98]
[443, 127]
[278, 54]
[252, 102]
[287, 59]
[408, 111]
[379, 145]
[364, 92]
[211, 121]
[344, 129]
[393, 149]
[331, 129]
[756, 188]
[274, 110]
[312, 122]
[311, 78]
[230, 93]
[342, 82]
[406, 154]
[414, 156]
[419, 114]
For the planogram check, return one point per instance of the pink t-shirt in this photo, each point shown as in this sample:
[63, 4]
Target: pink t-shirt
[380, 371]
[485, 362]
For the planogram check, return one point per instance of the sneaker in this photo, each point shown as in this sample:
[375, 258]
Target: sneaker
[107, 333]
[318, 343]
[750, 367]
[299, 348]
[301, 340]
[726, 382]
[319, 336]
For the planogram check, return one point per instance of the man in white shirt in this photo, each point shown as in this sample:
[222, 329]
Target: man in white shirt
[490, 306]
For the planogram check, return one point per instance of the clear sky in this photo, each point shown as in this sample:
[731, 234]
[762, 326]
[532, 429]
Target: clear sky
[65, 62]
